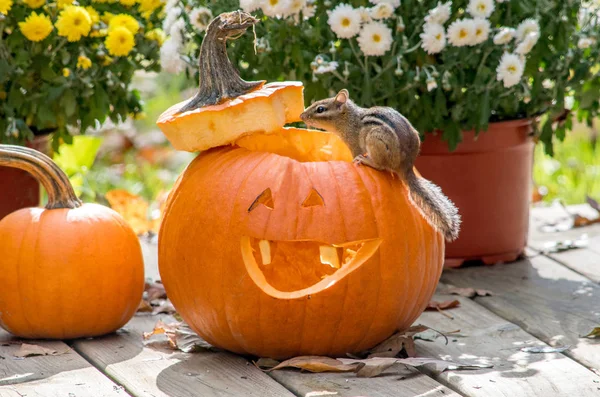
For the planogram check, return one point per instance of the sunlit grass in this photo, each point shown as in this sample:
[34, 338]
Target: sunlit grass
[574, 170]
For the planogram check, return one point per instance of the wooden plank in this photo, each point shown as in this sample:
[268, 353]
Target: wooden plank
[584, 261]
[397, 381]
[50, 376]
[543, 297]
[145, 371]
[486, 338]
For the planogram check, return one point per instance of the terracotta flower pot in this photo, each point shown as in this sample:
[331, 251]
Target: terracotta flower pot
[489, 179]
[23, 190]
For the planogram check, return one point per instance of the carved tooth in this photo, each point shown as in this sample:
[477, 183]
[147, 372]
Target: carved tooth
[329, 256]
[265, 251]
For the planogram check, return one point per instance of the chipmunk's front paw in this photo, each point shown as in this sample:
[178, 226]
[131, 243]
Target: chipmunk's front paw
[360, 159]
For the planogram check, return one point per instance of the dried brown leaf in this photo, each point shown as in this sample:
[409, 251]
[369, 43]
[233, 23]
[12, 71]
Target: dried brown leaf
[435, 305]
[266, 363]
[28, 350]
[318, 364]
[375, 366]
[144, 307]
[594, 333]
[155, 291]
[165, 307]
[580, 220]
[469, 292]
[179, 337]
[398, 342]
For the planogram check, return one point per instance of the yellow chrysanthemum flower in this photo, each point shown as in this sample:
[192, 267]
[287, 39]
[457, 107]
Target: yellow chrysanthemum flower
[125, 21]
[157, 35]
[99, 33]
[106, 17]
[84, 62]
[107, 61]
[148, 6]
[63, 3]
[93, 14]
[128, 3]
[34, 3]
[36, 27]
[5, 6]
[66, 72]
[119, 41]
[73, 23]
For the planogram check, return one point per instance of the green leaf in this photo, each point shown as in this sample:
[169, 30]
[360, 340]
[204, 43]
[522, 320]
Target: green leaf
[79, 156]
[69, 103]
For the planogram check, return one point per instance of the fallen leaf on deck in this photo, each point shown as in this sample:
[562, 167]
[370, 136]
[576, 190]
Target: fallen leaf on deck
[594, 333]
[559, 246]
[27, 350]
[434, 305]
[144, 307]
[395, 344]
[155, 291]
[580, 220]
[376, 366]
[593, 203]
[544, 349]
[264, 363]
[318, 364]
[179, 337]
[468, 292]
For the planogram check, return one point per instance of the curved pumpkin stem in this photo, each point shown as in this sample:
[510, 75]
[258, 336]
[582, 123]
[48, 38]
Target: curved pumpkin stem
[219, 79]
[41, 167]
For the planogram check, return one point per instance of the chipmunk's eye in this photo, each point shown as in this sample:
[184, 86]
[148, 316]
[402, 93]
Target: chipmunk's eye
[321, 109]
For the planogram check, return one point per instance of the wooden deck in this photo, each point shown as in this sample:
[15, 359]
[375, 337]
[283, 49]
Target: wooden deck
[546, 299]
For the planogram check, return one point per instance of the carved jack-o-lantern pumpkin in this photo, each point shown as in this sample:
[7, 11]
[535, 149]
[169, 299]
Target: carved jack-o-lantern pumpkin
[279, 246]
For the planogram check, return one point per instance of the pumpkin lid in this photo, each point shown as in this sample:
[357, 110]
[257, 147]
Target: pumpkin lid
[226, 107]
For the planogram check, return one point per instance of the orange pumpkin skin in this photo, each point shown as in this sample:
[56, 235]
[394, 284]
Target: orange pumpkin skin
[208, 281]
[68, 273]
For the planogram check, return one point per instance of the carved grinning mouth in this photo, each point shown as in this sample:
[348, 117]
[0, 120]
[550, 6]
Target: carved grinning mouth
[295, 269]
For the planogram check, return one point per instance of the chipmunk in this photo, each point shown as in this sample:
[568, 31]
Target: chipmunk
[381, 138]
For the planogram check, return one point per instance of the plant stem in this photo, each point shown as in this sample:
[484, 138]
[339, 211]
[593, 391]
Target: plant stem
[356, 55]
[41, 167]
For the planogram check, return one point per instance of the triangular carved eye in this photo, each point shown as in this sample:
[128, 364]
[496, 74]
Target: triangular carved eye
[314, 198]
[265, 198]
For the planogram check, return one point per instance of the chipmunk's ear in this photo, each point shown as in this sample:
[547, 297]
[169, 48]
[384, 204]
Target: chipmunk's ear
[342, 97]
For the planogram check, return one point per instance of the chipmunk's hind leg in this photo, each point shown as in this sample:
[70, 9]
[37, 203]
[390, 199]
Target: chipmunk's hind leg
[379, 155]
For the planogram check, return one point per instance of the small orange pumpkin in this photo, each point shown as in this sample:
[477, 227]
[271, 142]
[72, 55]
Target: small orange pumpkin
[69, 270]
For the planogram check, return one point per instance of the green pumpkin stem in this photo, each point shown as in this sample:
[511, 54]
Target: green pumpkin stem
[219, 79]
[41, 167]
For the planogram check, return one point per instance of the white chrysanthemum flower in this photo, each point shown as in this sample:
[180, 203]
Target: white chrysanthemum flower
[200, 17]
[584, 42]
[309, 11]
[548, 84]
[505, 35]
[296, 6]
[440, 14]
[481, 8]
[433, 38]
[482, 30]
[172, 15]
[526, 27]
[431, 84]
[527, 44]
[326, 67]
[382, 11]
[365, 14]
[569, 102]
[461, 32]
[275, 8]
[170, 4]
[510, 69]
[394, 3]
[170, 58]
[375, 39]
[344, 21]
[249, 5]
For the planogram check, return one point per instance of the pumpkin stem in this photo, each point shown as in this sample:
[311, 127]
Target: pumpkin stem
[219, 79]
[41, 167]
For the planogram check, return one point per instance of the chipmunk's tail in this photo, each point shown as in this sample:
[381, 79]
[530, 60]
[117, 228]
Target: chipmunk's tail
[439, 211]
